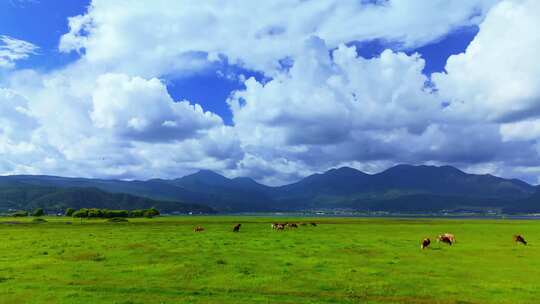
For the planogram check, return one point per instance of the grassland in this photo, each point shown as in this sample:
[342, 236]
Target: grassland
[350, 260]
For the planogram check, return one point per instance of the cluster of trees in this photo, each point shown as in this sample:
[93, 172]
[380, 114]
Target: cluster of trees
[106, 213]
[93, 213]
[35, 212]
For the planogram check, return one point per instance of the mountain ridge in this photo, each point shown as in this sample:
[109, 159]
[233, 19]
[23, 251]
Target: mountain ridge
[337, 188]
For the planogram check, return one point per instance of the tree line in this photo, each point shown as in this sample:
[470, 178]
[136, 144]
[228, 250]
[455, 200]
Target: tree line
[107, 213]
[94, 213]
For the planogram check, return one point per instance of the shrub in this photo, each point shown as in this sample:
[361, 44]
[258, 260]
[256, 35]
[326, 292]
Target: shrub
[115, 213]
[69, 211]
[38, 212]
[20, 213]
[106, 213]
[80, 213]
[151, 212]
[94, 212]
[136, 213]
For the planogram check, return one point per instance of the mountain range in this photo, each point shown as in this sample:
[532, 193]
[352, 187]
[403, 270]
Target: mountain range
[403, 188]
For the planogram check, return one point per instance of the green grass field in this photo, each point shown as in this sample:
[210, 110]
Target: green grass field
[349, 260]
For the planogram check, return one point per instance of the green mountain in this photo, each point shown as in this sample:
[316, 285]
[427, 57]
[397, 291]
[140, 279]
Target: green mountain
[527, 205]
[238, 194]
[400, 188]
[28, 197]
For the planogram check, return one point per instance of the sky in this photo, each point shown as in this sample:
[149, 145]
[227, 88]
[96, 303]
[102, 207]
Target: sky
[274, 90]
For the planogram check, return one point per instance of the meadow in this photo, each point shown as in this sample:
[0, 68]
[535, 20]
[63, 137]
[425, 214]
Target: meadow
[341, 260]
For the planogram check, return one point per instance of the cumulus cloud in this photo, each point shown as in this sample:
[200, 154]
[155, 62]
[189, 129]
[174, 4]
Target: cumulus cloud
[143, 110]
[524, 130]
[18, 151]
[326, 96]
[178, 36]
[109, 114]
[85, 123]
[498, 76]
[12, 50]
[15, 117]
[329, 109]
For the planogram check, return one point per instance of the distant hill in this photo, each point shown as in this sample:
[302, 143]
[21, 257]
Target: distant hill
[404, 188]
[445, 187]
[528, 205]
[238, 194]
[27, 197]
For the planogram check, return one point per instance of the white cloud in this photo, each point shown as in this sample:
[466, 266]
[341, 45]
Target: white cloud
[12, 50]
[108, 125]
[18, 151]
[15, 118]
[178, 36]
[328, 102]
[498, 77]
[109, 115]
[521, 130]
[142, 109]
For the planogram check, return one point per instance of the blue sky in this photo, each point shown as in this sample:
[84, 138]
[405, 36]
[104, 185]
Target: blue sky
[275, 91]
[41, 23]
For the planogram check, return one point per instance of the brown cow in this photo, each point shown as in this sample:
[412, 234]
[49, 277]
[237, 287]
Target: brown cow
[292, 225]
[313, 224]
[198, 229]
[236, 228]
[425, 243]
[278, 226]
[275, 225]
[447, 238]
[520, 239]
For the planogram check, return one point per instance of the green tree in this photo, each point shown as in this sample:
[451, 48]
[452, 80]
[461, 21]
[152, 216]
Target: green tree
[80, 213]
[69, 211]
[136, 213]
[20, 213]
[94, 212]
[151, 212]
[38, 212]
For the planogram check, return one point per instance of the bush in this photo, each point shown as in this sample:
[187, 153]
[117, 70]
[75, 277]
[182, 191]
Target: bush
[20, 213]
[80, 213]
[151, 212]
[69, 211]
[115, 213]
[106, 213]
[94, 212]
[136, 213]
[38, 212]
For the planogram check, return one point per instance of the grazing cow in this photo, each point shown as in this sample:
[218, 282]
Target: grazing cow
[520, 239]
[313, 224]
[276, 226]
[236, 227]
[425, 243]
[447, 238]
[304, 224]
[199, 229]
[292, 225]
